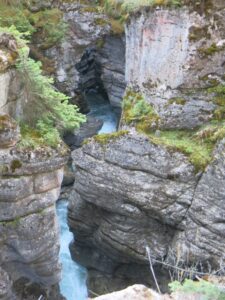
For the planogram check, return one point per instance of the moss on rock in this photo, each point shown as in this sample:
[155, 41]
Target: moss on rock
[105, 138]
[138, 112]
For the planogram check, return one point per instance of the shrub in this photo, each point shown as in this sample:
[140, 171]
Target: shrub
[138, 111]
[48, 110]
[47, 26]
[202, 287]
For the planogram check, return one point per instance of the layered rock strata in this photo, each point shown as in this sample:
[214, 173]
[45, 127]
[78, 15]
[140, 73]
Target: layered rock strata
[89, 29]
[130, 194]
[30, 183]
[173, 57]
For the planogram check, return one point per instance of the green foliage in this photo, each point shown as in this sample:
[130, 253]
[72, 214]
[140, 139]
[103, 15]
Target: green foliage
[15, 15]
[202, 287]
[30, 138]
[120, 7]
[15, 164]
[48, 110]
[21, 37]
[138, 112]
[177, 100]
[46, 26]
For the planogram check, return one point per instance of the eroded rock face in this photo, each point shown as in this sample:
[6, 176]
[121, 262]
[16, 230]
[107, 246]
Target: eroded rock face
[88, 30]
[112, 59]
[83, 33]
[12, 95]
[173, 57]
[129, 194]
[8, 51]
[203, 238]
[29, 187]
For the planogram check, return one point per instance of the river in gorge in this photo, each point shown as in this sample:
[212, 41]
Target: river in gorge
[73, 283]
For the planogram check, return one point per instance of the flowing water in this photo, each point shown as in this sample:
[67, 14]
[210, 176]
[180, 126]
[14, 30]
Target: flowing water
[73, 283]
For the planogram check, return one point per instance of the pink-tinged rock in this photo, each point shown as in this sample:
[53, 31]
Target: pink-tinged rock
[135, 292]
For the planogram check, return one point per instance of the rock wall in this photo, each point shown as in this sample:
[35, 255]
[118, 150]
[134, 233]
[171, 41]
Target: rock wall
[89, 29]
[174, 55]
[130, 193]
[29, 243]
[12, 94]
[13, 98]
[30, 182]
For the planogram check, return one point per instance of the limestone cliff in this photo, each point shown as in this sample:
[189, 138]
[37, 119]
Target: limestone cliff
[29, 187]
[130, 191]
[89, 29]
[30, 182]
[174, 55]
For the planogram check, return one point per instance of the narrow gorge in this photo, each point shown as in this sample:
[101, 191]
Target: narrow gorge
[112, 173]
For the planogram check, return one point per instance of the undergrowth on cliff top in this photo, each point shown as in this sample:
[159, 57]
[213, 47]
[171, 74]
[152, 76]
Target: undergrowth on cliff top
[204, 288]
[45, 27]
[197, 145]
[118, 11]
[48, 111]
[137, 111]
[119, 7]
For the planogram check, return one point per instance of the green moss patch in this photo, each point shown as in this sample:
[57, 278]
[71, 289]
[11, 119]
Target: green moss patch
[177, 100]
[105, 138]
[197, 146]
[15, 164]
[218, 93]
[138, 112]
[208, 51]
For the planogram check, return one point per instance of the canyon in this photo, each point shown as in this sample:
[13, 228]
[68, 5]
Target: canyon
[131, 190]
